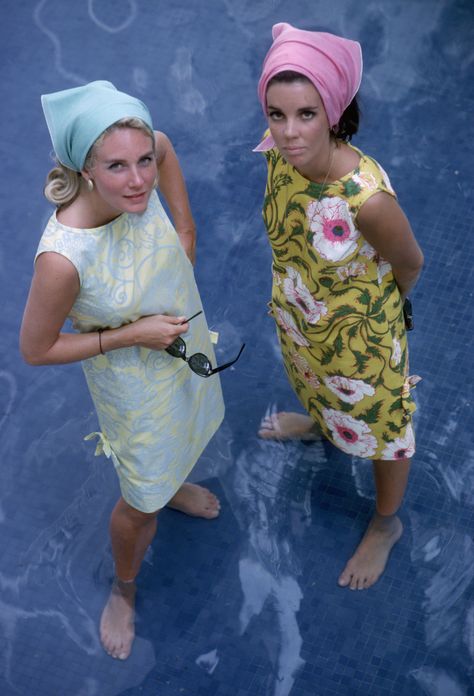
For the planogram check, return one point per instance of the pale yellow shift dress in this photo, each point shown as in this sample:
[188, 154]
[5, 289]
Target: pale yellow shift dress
[156, 416]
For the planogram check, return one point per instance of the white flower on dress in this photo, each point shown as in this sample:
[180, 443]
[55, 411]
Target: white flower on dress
[288, 325]
[396, 352]
[298, 294]
[368, 250]
[350, 435]
[386, 180]
[366, 180]
[277, 280]
[349, 390]
[401, 447]
[304, 369]
[352, 270]
[383, 267]
[335, 236]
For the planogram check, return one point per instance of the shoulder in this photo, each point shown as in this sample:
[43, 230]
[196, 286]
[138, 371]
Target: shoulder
[163, 145]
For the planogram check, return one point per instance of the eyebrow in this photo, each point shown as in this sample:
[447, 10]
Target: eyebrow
[115, 160]
[303, 108]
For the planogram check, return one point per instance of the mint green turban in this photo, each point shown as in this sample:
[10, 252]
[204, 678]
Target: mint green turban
[76, 117]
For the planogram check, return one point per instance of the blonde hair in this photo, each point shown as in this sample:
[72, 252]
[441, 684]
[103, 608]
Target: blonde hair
[63, 184]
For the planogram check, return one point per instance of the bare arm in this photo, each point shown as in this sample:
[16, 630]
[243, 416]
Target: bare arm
[54, 289]
[384, 225]
[173, 187]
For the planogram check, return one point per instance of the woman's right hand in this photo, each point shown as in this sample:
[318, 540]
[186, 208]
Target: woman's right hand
[158, 331]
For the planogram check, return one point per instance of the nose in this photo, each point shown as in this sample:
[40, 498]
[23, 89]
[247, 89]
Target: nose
[290, 129]
[136, 178]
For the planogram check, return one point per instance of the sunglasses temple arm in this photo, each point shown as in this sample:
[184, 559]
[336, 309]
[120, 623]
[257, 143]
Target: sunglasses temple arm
[226, 365]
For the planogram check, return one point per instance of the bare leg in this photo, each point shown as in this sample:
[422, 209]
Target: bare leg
[131, 532]
[195, 501]
[384, 530]
[288, 426]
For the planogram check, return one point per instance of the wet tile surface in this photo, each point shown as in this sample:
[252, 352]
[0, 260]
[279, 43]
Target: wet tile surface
[246, 605]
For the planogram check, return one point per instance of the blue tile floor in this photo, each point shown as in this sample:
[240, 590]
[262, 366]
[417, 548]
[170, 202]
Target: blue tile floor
[246, 605]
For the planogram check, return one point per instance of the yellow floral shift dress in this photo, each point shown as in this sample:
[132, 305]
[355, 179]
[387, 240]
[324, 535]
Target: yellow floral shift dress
[338, 310]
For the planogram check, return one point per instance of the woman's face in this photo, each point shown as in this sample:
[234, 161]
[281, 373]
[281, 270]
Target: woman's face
[124, 172]
[299, 125]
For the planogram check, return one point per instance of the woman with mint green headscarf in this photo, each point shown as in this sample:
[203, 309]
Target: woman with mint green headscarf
[111, 261]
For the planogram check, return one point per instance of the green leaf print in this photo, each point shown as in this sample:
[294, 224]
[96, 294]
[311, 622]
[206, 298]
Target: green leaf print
[280, 252]
[345, 407]
[364, 297]
[326, 282]
[314, 190]
[294, 205]
[393, 427]
[361, 361]
[351, 188]
[327, 356]
[339, 345]
[377, 306]
[372, 414]
[353, 331]
[343, 311]
[380, 318]
[374, 339]
[374, 351]
[397, 405]
[323, 401]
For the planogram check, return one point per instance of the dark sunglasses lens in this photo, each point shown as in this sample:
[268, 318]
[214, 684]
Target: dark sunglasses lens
[177, 349]
[200, 364]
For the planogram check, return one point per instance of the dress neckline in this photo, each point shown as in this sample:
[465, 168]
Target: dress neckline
[334, 182]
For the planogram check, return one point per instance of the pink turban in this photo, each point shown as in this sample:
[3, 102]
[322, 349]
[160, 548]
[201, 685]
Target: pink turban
[331, 63]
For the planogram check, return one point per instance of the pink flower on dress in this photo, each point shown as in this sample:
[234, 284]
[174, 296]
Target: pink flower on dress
[352, 270]
[298, 294]
[350, 435]
[305, 370]
[335, 236]
[349, 390]
[366, 180]
[288, 325]
[401, 447]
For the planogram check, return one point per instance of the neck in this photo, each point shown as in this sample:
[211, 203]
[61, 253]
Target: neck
[321, 172]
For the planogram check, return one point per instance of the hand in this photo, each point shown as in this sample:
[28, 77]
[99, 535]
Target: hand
[158, 331]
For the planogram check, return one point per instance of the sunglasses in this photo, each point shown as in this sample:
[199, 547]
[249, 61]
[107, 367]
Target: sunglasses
[198, 362]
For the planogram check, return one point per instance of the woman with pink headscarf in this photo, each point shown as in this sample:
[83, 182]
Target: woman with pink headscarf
[344, 261]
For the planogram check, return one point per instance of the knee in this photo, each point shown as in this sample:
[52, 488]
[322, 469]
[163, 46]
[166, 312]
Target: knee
[137, 516]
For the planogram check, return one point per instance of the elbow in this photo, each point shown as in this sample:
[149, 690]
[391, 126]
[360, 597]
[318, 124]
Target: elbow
[32, 356]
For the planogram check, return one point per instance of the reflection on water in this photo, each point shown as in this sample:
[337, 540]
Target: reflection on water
[270, 497]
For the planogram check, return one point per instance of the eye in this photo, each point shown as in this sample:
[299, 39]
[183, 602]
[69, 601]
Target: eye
[275, 115]
[115, 166]
[146, 161]
[308, 115]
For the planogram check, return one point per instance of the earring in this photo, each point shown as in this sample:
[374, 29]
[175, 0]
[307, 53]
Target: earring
[90, 184]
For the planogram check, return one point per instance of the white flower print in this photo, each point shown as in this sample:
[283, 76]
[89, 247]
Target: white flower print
[298, 294]
[350, 435]
[386, 180]
[335, 236]
[396, 352]
[368, 250]
[288, 325]
[366, 180]
[401, 447]
[352, 270]
[383, 267]
[349, 390]
[304, 369]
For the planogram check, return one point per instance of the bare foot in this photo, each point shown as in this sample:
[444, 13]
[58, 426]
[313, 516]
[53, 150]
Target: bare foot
[288, 426]
[117, 629]
[195, 501]
[369, 560]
